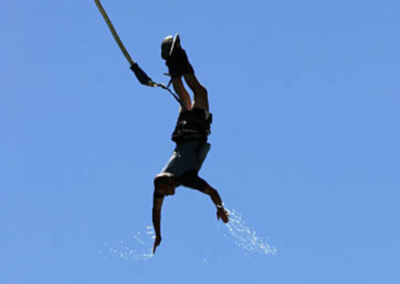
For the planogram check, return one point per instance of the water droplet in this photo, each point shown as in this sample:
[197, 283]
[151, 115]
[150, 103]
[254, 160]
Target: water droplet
[246, 238]
[137, 249]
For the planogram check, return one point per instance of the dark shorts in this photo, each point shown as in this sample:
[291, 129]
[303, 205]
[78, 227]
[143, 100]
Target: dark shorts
[187, 157]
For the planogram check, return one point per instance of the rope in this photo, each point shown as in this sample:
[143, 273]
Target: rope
[140, 74]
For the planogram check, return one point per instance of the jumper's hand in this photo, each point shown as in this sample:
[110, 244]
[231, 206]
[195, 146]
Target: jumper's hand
[157, 242]
[223, 214]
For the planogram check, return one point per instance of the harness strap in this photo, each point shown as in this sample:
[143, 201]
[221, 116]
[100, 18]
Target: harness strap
[192, 125]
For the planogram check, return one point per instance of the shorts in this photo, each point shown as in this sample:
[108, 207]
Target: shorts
[187, 156]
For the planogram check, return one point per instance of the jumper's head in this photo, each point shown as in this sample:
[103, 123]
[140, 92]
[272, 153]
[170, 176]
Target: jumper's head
[165, 184]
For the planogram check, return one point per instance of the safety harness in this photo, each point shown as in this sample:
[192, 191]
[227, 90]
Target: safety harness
[192, 125]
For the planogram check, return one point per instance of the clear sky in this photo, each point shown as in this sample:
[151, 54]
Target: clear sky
[305, 143]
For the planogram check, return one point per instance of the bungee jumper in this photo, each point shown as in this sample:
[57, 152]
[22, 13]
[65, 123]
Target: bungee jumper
[191, 131]
[190, 135]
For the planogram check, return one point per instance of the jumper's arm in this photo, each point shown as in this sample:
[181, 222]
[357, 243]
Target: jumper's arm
[157, 205]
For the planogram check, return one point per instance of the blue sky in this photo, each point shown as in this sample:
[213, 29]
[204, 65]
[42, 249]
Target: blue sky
[305, 142]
